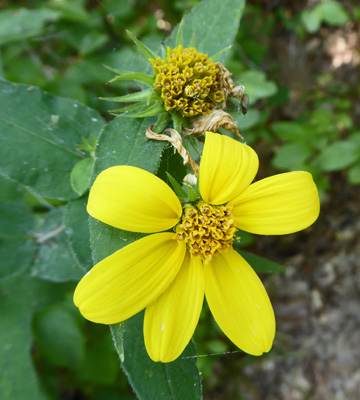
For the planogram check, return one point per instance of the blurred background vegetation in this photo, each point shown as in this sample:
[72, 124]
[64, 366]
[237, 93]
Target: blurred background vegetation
[299, 62]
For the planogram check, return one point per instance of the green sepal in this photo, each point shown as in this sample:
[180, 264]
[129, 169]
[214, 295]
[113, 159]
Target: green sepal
[193, 193]
[179, 35]
[115, 70]
[154, 96]
[192, 41]
[161, 123]
[178, 121]
[219, 53]
[148, 53]
[135, 76]
[133, 107]
[180, 192]
[132, 97]
[154, 109]
[80, 176]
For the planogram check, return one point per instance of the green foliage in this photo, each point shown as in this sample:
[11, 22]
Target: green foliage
[16, 246]
[23, 23]
[52, 148]
[40, 135]
[20, 297]
[76, 221]
[80, 176]
[261, 264]
[59, 336]
[257, 87]
[55, 261]
[177, 380]
[328, 12]
[206, 23]
[315, 145]
[338, 155]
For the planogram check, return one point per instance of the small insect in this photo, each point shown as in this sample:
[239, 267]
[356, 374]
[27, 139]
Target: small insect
[244, 103]
[238, 92]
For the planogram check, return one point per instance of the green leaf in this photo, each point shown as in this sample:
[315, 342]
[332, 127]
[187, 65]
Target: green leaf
[243, 239]
[135, 76]
[92, 41]
[261, 264]
[354, 138]
[214, 24]
[39, 136]
[177, 380]
[101, 365]
[354, 174]
[123, 142]
[10, 190]
[217, 346]
[22, 23]
[247, 121]
[293, 131]
[72, 10]
[59, 336]
[105, 240]
[55, 261]
[257, 86]
[80, 176]
[146, 51]
[338, 156]
[76, 221]
[330, 12]
[17, 247]
[291, 156]
[20, 297]
[311, 19]
[333, 13]
[16, 221]
[1, 67]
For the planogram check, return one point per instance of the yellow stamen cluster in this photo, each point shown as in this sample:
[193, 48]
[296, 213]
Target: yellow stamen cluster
[188, 81]
[206, 229]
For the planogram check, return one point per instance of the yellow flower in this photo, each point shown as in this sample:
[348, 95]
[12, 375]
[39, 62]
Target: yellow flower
[168, 273]
[188, 81]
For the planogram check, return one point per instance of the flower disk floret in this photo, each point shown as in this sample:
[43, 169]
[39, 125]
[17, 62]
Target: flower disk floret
[207, 230]
[188, 81]
[165, 275]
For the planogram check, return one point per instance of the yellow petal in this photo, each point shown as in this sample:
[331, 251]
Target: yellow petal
[171, 320]
[277, 205]
[126, 282]
[133, 199]
[227, 168]
[239, 303]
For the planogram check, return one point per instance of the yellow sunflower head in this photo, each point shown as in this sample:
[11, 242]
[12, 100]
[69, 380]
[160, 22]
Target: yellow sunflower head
[168, 273]
[188, 81]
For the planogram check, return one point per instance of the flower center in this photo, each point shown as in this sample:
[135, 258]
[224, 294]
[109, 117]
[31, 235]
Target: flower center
[188, 81]
[206, 229]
